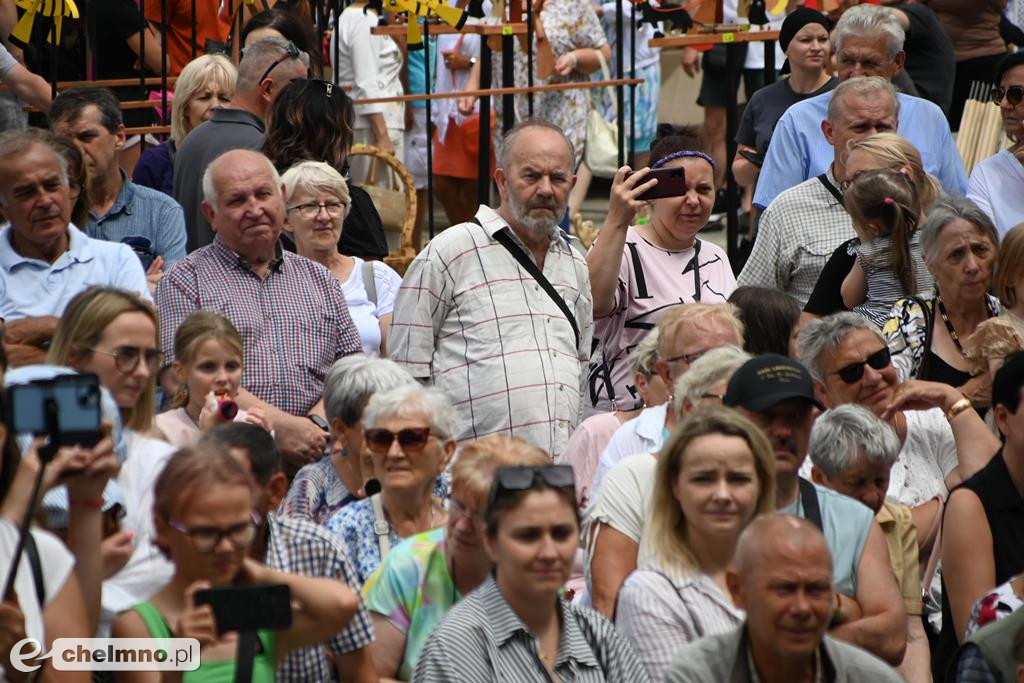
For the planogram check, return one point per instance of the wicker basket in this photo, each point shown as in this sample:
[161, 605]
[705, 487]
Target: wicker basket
[400, 258]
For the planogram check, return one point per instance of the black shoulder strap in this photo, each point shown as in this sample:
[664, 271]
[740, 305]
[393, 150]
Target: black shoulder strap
[832, 189]
[32, 553]
[926, 351]
[809, 500]
[505, 240]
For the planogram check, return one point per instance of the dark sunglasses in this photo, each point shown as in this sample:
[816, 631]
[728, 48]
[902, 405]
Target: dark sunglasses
[291, 52]
[524, 478]
[411, 439]
[853, 372]
[1014, 94]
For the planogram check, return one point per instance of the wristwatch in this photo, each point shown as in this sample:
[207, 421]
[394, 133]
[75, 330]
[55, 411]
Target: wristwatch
[320, 422]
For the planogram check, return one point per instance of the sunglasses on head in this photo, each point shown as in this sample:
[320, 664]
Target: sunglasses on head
[852, 373]
[524, 478]
[410, 439]
[1014, 94]
[291, 52]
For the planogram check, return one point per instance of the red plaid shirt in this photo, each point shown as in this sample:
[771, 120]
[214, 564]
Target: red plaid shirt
[294, 322]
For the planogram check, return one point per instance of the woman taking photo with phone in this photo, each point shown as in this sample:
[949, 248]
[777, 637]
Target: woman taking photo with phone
[205, 523]
[637, 271]
[532, 532]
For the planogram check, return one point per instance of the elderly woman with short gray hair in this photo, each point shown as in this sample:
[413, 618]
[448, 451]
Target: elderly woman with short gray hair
[409, 432]
[852, 451]
[925, 333]
[322, 488]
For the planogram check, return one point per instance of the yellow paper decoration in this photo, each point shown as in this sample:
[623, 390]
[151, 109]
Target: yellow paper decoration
[58, 9]
[424, 8]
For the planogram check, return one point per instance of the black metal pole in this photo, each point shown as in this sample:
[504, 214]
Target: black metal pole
[142, 55]
[195, 29]
[769, 62]
[430, 141]
[635, 35]
[732, 67]
[508, 80]
[163, 61]
[529, 57]
[620, 99]
[483, 191]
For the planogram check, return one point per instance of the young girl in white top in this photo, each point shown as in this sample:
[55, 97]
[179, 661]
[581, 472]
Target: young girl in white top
[883, 205]
[208, 363]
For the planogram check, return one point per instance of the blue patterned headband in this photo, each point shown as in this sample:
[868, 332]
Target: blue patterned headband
[678, 155]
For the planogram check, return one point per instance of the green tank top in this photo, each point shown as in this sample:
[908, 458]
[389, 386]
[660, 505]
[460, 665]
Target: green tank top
[263, 667]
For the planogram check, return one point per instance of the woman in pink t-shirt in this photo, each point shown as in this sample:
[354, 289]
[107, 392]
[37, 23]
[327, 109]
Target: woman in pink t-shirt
[639, 271]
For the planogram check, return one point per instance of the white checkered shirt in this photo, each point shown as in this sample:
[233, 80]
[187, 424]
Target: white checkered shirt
[301, 547]
[469, 317]
[798, 233]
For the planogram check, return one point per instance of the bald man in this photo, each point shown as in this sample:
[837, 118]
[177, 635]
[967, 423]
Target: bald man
[290, 311]
[782, 577]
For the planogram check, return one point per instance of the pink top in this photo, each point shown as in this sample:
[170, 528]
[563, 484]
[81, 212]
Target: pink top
[179, 429]
[651, 280]
[584, 450]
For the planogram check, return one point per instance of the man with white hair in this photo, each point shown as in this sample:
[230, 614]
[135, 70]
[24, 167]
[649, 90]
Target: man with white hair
[868, 41]
[497, 312]
[290, 311]
[267, 66]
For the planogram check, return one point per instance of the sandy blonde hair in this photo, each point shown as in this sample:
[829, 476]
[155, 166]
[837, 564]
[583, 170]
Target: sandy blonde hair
[194, 75]
[473, 471]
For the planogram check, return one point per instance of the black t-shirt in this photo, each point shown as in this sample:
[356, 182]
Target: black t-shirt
[116, 21]
[931, 63]
[765, 109]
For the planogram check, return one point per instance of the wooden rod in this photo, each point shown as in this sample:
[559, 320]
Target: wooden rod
[692, 39]
[504, 91]
[445, 29]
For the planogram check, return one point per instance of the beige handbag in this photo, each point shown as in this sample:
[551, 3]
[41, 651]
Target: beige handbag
[388, 197]
[601, 153]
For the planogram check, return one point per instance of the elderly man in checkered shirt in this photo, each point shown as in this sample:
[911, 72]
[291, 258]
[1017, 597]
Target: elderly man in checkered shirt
[300, 547]
[509, 348]
[290, 311]
[803, 226]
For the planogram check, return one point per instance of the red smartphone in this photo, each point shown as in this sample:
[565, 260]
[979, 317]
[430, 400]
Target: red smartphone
[671, 183]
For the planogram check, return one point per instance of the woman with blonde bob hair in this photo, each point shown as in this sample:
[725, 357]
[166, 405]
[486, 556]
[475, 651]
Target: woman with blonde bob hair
[426, 574]
[318, 201]
[114, 334]
[207, 82]
[715, 474]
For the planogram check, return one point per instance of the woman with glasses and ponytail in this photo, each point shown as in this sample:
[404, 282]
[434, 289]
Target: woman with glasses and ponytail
[409, 433]
[205, 523]
[516, 626]
[996, 183]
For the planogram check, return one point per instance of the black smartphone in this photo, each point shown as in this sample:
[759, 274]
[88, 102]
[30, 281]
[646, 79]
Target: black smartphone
[671, 183]
[249, 608]
[65, 408]
[756, 158]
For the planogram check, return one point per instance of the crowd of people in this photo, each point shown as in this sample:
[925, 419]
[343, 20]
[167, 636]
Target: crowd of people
[522, 459]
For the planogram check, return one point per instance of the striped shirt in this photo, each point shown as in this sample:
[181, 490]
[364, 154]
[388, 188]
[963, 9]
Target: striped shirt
[316, 493]
[294, 322]
[299, 547]
[659, 612]
[470, 318]
[797, 235]
[482, 640]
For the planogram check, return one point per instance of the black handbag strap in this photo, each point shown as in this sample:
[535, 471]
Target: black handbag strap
[832, 189]
[505, 240]
[926, 352]
[809, 500]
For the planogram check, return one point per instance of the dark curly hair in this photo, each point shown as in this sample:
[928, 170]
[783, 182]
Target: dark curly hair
[310, 120]
[669, 139]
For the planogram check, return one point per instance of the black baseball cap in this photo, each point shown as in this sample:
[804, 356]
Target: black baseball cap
[768, 379]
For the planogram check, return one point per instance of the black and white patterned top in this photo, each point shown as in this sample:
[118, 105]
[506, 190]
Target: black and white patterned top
[481, 640]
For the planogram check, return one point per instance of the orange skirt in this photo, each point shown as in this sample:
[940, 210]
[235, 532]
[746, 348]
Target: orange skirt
[459, 155]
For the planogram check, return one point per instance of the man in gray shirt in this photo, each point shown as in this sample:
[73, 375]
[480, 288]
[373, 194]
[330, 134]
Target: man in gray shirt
[267, 66]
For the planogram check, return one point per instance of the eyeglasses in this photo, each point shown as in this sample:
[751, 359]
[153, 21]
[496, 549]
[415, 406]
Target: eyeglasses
[311, 210]
[291, 52]
[1014, 94]
[853, 372]
[206, 539]
[688, 358]
[457, 509]
[524, 478]
[411, 439]
[126, 358]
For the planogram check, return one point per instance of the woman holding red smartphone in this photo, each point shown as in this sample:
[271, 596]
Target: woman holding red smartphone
[639, 271]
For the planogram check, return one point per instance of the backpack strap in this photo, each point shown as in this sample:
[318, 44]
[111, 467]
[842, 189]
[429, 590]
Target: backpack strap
[381, 526]
[832, 189]
[809, 500]
[369, 283]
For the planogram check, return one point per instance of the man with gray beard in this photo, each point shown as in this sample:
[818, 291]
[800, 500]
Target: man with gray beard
[497, 312]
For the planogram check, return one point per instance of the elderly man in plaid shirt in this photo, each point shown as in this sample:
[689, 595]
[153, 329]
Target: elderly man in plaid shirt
[300, 547]
[290, 311]
[497, 312]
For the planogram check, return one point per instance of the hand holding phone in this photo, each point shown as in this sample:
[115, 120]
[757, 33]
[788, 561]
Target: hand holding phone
[249, 608]
[624, 200]
[671, 183]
